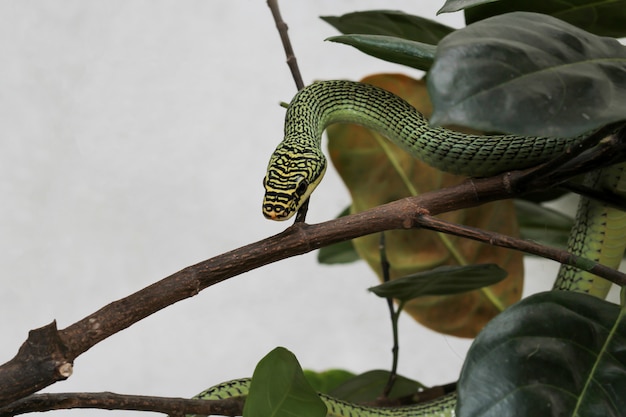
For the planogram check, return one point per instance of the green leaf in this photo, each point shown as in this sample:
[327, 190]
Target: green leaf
[368, 386]
[558, 353]
[327, 381]
[441, 281]
[451, 6]
[375, 171]
[602, 17]
[544, 196]
[528, 74]
[279, 389]
[338, 253]
[390, 23]
[400, 51]
[542, 224]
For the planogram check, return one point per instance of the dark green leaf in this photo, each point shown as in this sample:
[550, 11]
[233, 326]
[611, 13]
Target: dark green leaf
[441, 281]
[338, 253]
[390, 23]
[279, 389]
[327, 381]
[451, 6]
[543, 196]
[558, 353]
[602, 17]
[528, 74]
[542, 224]
[368, 386]
[400, 51]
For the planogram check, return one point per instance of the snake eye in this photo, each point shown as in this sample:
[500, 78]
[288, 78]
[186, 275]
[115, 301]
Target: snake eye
[302, 187]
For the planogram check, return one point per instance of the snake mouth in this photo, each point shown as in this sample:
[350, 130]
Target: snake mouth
[275, 217]
[275, 213]
[271, 216]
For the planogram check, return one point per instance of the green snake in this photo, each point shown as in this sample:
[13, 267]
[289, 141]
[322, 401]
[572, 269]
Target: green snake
[440, 407]
[297, 165]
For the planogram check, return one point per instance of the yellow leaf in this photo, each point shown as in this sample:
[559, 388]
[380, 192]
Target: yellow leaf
[376, 172]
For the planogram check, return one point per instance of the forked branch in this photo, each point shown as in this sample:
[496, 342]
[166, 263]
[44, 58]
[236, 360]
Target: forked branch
[35, 367]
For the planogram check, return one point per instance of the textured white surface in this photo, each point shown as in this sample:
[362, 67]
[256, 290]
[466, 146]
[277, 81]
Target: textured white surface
[134, 137]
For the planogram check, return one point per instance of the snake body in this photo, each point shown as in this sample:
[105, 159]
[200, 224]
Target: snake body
[440, 407]
[599, 234]
[298, 164]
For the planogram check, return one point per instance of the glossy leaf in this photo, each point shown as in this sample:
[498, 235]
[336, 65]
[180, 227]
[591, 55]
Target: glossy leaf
[451, 6]
[444, 280]
[400, 51]
[279, 389]
[377, 172]
[338, 253]
[326, 381]
[603, 17]
[557, 353]
[390, 23]
[544, 196]
[528, 74]
[369, 386]
[542, 224]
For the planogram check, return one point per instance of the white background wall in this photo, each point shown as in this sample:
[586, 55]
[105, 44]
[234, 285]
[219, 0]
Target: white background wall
[134, 136]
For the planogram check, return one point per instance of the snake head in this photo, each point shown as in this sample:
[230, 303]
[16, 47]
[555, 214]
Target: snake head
[292, 174]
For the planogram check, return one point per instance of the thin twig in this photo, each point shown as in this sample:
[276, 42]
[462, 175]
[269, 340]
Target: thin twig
[498, 239]
[282, 27]
[395, 349]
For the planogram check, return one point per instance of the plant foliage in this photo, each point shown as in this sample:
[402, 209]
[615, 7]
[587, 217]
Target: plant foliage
[536, 67]
[552, 354]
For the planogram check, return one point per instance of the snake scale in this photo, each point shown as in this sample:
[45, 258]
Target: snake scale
[297, 165]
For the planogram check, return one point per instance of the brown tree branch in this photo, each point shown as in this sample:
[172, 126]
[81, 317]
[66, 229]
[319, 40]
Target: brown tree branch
[498, 239]
[34, 368]
[282, 27]
[43, 360]
[175, 407]
[48, 354]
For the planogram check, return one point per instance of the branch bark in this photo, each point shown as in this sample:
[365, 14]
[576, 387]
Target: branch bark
[175, 407]
[282, 27]
[48, 354]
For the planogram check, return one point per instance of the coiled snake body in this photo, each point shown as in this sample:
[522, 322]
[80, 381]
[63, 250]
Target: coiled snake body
[298, 164]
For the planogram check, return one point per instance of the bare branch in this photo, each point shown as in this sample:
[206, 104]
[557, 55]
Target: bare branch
[284, 37]
[48, 354]
[111, 401]
[498, 239]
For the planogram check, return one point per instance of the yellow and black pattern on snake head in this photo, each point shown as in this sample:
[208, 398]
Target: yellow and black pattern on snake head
[298, 164]
[292, 175]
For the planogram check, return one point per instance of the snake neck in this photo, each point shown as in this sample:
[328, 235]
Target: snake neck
[327, 102]
[298, 163]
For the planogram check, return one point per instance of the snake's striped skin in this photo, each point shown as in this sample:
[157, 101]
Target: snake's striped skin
[599, 234]
[298, 164]
[440, 407]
